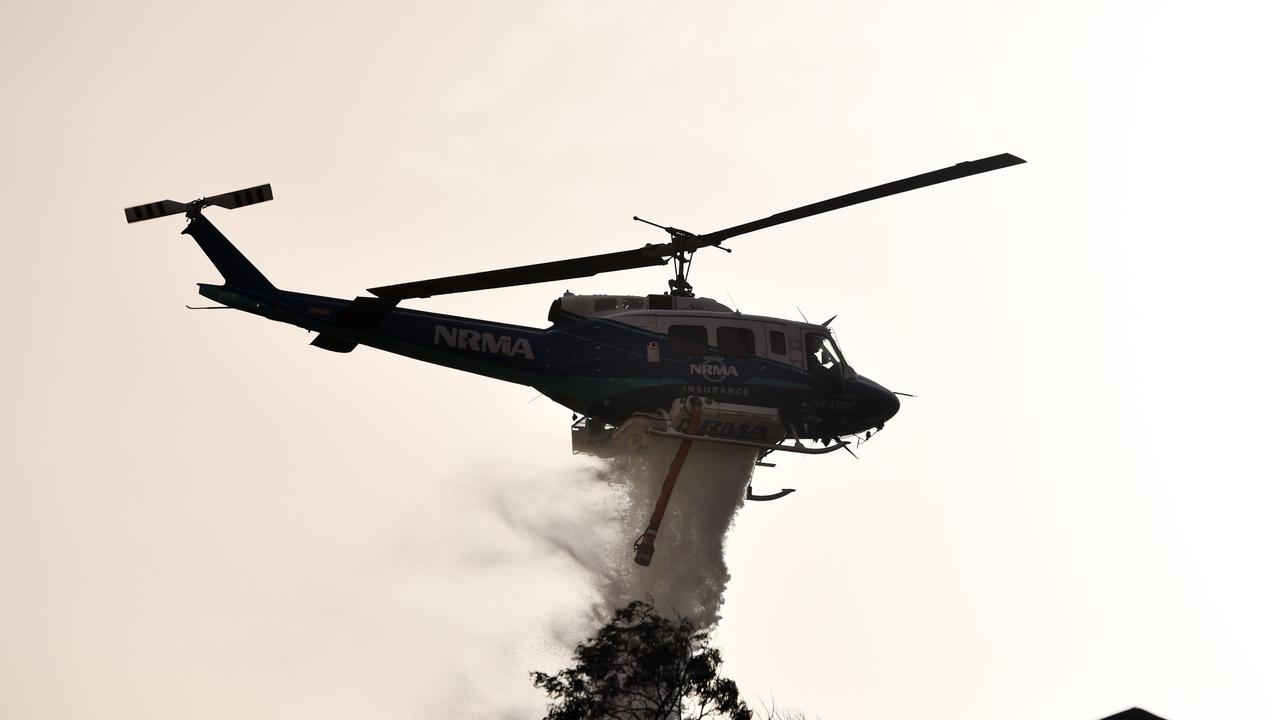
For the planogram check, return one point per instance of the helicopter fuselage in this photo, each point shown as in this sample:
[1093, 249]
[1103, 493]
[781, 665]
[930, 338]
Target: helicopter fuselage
[610, 364]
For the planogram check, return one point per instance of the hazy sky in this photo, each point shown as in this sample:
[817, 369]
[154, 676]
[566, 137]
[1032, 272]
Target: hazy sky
[203, 517]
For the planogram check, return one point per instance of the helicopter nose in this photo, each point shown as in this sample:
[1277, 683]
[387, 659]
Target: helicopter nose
[879, 402]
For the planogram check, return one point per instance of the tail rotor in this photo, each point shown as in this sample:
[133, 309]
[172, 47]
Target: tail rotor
[230, 200]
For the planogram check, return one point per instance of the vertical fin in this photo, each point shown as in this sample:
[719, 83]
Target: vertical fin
[234, 266]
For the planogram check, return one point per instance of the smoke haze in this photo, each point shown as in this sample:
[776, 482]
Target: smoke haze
[524, 566]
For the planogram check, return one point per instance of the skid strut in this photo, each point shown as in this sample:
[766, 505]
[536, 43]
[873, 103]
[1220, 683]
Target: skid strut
[644, 544]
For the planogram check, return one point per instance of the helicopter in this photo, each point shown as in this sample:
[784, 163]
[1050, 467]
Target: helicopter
[671, 365]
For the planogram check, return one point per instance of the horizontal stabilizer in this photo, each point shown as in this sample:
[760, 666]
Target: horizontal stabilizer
[365, 312]
[334, 344]
[231, 201]
[361, 314]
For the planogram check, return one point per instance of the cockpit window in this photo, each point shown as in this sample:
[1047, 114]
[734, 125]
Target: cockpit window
[825, 362]
[822, 352]
[848, 369]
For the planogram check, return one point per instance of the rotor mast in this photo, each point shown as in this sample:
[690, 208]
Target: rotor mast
[682, 246]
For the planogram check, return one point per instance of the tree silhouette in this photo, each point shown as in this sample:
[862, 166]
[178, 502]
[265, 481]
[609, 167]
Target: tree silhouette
[642, 666]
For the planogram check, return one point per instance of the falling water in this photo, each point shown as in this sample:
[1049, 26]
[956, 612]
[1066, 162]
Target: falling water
[688, 575]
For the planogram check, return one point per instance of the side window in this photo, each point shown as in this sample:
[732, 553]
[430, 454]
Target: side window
[688, 339]
[734, 341]
[777, 342]
[607, 303]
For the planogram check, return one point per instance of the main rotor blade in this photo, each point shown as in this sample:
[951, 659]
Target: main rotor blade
[652, 255]
[964, 169]
[528, 274]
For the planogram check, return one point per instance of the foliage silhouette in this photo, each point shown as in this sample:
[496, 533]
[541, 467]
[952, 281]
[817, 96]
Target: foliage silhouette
[642, 666]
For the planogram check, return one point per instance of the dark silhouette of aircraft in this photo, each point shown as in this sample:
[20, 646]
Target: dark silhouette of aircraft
[1133, 714]
[669, 365]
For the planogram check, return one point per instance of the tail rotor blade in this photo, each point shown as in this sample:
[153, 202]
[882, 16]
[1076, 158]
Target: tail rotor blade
[138, 213]
[240, 198]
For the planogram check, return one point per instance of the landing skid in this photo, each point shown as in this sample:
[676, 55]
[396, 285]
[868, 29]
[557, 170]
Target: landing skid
[771, 496]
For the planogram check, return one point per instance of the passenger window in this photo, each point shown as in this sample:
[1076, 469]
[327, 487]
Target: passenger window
[736, 341]
[688, 339]
[777, 342]
[603, 304]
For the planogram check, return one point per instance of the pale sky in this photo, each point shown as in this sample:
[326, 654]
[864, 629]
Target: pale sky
[203, 517]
